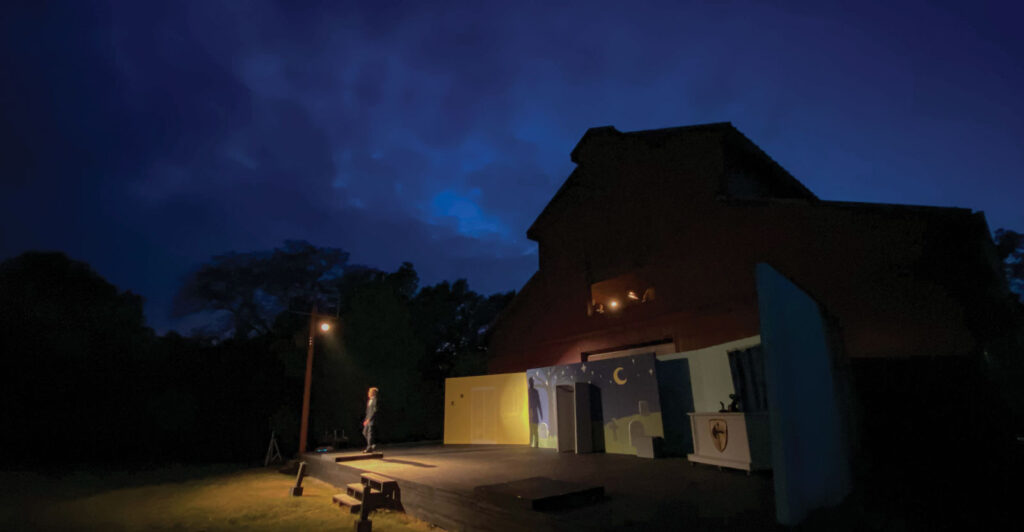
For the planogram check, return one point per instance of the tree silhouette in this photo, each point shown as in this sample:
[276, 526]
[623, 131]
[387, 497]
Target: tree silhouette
[1010, 249]
[252, 288]
[83, 367]
[454, 322]
[75, 355]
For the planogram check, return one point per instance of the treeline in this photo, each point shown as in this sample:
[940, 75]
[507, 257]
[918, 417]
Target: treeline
[89, 381]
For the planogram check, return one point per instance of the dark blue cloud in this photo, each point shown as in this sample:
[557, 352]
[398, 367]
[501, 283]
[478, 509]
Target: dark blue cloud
[145, 137]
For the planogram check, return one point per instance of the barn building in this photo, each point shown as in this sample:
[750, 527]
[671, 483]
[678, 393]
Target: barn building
[694, 299]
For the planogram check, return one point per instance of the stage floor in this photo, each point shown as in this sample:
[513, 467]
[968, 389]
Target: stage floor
[437, 484]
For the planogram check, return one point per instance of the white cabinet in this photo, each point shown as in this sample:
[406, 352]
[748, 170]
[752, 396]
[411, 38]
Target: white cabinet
[740, 440]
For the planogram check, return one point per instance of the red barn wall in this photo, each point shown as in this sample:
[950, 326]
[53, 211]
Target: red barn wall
[892, 276]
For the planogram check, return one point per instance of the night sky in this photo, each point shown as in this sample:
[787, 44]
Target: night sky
[145, 139]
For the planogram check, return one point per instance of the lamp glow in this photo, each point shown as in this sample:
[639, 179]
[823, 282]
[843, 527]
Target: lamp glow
[614, 304]
[325, 327]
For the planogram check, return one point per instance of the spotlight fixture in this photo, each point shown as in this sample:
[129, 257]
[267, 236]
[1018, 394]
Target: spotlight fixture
[632, 295]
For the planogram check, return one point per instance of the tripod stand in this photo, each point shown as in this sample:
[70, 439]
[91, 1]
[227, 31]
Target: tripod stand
[273, 452]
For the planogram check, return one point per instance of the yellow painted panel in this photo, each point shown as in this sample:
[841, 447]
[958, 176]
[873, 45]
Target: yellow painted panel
[486, 409]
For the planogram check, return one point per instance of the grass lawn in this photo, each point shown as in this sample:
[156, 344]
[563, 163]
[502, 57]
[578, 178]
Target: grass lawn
[184, 498]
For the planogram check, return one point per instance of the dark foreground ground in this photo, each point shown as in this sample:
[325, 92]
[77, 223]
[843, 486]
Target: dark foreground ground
[174, 498]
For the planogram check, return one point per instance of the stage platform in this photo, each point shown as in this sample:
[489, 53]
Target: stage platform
[505, 487]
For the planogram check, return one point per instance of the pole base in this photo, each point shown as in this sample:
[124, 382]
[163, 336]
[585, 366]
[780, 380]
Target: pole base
[295, 491]
[364, 526]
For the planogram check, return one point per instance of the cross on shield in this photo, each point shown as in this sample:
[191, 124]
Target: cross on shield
[719, 433]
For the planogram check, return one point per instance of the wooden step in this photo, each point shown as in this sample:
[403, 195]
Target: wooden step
[386, 485]
[345, 500]
[355, 489]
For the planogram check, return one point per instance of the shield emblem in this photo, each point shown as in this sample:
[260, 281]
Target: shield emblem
[719, 433]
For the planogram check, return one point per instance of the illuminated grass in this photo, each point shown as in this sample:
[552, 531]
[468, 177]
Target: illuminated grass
[252, 499]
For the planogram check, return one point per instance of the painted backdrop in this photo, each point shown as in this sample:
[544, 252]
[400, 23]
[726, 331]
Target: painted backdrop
[628, 389]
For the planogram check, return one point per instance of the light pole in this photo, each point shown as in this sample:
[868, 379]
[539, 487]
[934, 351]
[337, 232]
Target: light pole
[304, 429]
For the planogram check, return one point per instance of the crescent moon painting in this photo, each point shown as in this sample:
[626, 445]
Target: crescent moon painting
[615, 375]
